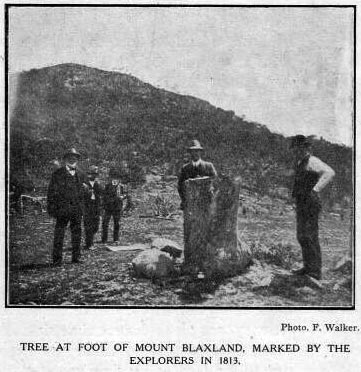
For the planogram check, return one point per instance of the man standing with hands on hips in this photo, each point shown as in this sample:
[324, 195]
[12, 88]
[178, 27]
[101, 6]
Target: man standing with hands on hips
[312, 175]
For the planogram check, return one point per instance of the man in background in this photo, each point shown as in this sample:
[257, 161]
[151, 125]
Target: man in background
[92, 204]
[311, 176]
[114, 197]
[20, 183]
[197, 167]
[65, 204]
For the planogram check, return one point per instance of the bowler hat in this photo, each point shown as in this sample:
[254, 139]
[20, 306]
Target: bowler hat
[300, 141]
[71, 152]
[93, 169]
[195, 145]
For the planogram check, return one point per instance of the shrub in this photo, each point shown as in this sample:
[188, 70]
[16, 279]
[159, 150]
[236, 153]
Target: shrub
[280, 254]
[162, 205]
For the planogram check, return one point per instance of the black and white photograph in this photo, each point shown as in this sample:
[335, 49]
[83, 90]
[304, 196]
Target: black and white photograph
[180, 157]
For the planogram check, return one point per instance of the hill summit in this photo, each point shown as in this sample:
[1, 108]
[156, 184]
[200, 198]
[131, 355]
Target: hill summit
[112, 117]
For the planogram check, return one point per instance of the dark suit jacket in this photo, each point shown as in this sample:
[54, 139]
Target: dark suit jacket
[204, 169]
[65, 193]
[92, 206]
[111, 201]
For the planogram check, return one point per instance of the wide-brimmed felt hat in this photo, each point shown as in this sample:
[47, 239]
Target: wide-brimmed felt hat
[195, 145]
[71, 152]
[300, 141]
[93, 169]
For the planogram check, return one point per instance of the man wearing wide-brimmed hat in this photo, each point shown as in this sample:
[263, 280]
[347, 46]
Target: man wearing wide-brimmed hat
[311, 176]
[197, 167]
[65, 204]
[92, 203]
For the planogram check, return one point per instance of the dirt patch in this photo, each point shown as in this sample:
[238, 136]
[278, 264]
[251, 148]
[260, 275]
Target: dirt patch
[105, 277]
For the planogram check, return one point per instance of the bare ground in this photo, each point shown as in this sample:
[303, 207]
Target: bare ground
[104, 277]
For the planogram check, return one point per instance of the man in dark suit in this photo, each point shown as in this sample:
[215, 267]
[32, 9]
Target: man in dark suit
[312, 175]
[65, 204]
[92, 202]
[114, 197]
[197, 167]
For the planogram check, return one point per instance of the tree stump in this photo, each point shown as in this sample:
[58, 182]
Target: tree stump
[211, 242]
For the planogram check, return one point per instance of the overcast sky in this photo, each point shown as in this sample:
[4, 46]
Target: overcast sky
[288, 68]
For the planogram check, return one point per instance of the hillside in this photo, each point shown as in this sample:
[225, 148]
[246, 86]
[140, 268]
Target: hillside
[112, 117]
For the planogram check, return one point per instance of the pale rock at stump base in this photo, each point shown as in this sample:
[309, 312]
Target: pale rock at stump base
[153, 263]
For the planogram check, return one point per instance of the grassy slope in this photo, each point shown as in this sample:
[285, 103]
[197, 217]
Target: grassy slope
[108, 116]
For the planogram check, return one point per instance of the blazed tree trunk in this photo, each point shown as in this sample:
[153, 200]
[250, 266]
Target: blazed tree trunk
[211, 243]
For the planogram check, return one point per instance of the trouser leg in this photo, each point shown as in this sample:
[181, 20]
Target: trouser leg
[116, 217]
[59, 233]
[313, 253]
[91, 225]
[87, 230]
[307, 235]
[95, 226]
[105, 226]
[75, 227]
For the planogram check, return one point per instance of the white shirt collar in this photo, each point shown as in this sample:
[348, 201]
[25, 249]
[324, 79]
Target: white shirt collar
[196, 163]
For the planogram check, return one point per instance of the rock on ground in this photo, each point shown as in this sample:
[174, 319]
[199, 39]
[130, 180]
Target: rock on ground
[122, 248]
[153, 264]
[168, 246]
[344, 264]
